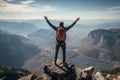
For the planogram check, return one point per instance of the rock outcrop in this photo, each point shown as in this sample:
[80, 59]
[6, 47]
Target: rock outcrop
[8, 73]
[103, 45]
[103, 38]
[60, 71]
[99, 76]
[86, 74]
[28, 77]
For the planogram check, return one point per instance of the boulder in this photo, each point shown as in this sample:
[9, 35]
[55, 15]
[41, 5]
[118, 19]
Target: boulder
[87, 73]
[118, 77]
[99, 76]
[59, 71]
[28, 77]
[108, 77]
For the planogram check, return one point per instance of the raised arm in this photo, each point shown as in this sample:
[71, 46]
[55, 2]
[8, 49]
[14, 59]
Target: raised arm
[50, 24]
[70, 26]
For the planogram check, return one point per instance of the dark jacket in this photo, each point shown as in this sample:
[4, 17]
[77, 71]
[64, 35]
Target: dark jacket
[66, 28]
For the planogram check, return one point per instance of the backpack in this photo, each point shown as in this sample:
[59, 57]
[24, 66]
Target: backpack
[61, 34]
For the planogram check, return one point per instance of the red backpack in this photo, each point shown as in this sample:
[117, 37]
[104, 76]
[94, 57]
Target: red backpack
[61, 34]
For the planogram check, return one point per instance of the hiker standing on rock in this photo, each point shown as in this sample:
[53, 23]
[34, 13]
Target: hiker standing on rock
[61, 37]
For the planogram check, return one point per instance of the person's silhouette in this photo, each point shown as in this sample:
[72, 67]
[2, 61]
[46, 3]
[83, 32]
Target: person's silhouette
[60, 37]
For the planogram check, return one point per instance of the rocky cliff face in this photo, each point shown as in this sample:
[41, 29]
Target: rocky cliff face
[103, 38]
[103, 45]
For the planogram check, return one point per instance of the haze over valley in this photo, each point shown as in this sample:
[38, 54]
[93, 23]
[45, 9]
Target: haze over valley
[36, 43]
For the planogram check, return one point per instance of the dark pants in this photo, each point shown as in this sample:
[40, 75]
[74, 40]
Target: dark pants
[61, 44]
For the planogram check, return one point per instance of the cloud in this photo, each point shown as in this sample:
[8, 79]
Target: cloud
[114, 8]
[24, 7]
[9, 0]
[27, 2]
[30, 9]
[23, 10]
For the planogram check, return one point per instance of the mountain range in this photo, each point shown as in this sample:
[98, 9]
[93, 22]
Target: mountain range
[13, 51]
[35, 42]
[17, 27]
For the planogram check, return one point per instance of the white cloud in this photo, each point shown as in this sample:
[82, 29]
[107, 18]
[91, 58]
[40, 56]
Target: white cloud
[114, 8]
[27, 2]
[23, 8]
[103, 15]
[93, 15]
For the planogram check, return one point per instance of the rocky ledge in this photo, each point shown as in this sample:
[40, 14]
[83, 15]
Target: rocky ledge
[60, 71]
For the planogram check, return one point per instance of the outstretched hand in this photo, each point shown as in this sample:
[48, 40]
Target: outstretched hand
[78, 19]
[45, 17]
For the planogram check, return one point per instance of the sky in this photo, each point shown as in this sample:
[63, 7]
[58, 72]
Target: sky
[60, 9]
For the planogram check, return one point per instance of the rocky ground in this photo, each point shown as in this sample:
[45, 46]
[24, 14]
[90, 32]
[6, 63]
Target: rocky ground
[59, 72]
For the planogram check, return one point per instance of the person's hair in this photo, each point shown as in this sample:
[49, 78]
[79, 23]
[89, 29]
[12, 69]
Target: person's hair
[61, 23]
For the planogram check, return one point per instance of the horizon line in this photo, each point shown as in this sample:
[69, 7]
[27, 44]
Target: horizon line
[57, 19]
